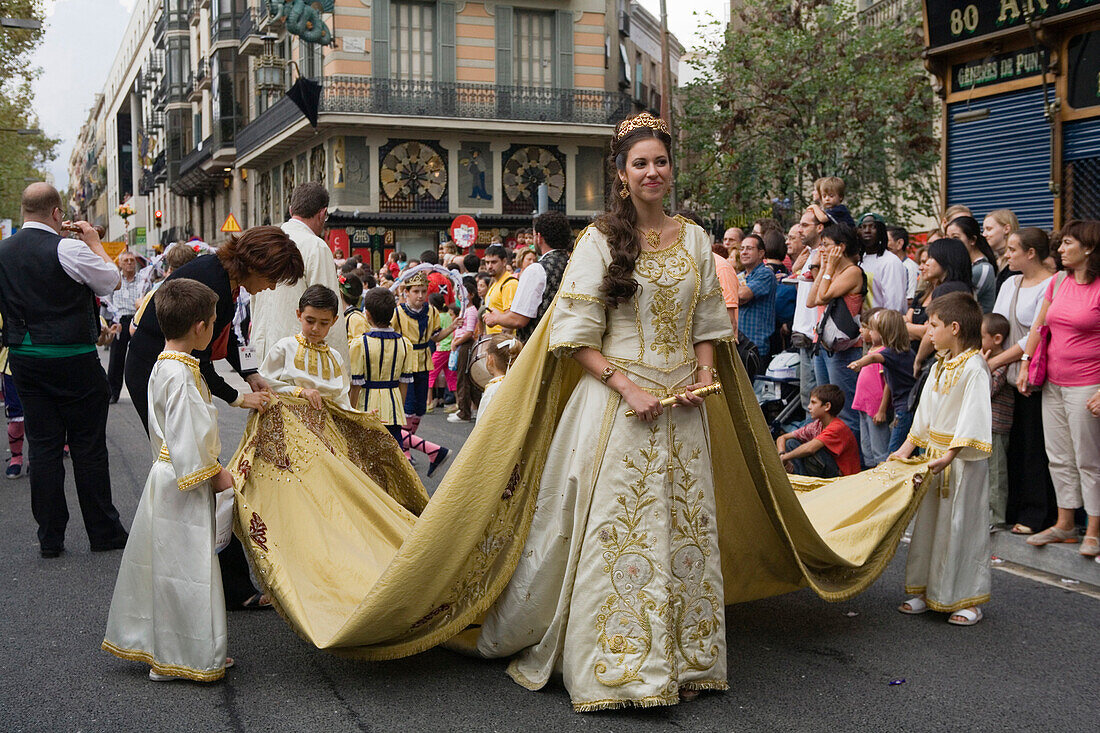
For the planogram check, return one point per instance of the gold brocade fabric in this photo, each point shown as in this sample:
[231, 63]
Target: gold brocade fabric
[355, 573]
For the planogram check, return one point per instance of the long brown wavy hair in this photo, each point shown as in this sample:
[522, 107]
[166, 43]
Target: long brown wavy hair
[619, 224]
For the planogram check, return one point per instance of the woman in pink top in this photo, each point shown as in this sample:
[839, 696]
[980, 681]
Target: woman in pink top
[1071, 395]
[463, 343]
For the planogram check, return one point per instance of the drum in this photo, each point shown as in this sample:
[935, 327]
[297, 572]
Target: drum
[479, 363]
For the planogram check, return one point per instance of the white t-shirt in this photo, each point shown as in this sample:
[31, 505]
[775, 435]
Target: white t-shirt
[1027, 305]
[805, 319]
[912, 274]
[487, 396]
[529, 292]
[888, 281]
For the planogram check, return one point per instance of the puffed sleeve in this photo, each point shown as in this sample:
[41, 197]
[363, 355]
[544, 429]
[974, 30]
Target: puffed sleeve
[190, 432]
[274, 369]
[357, 326]
[712, 322]
[409, 366]
[972, 413]
[358, 358]
[434, 324]
[580, 316]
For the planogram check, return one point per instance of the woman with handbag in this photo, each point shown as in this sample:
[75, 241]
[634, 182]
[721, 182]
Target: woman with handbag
[1031, 501]
[839, 292]
[1063, 355]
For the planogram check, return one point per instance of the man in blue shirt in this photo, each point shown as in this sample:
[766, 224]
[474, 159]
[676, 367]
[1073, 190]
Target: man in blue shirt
[757, 295]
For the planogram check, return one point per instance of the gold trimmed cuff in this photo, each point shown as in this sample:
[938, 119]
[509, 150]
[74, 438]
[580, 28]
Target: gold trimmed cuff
[193, 479]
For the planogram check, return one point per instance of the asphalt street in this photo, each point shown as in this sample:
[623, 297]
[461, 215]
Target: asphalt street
[796, 663]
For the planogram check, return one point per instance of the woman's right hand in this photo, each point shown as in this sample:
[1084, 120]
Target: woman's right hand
[645, 406]
[1021, 380]
[255, 401]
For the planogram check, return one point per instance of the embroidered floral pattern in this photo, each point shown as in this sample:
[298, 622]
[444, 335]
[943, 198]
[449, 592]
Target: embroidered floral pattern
[666, 269]
[270, 440]
[625, 634]
[257, 530]
[693, 611]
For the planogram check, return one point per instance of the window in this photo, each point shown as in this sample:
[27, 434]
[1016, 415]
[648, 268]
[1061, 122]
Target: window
[533, 49]
[412, 41]
[310, 60]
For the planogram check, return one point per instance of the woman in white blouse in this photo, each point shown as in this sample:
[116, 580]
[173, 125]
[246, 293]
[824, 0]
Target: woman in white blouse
[1031, 501]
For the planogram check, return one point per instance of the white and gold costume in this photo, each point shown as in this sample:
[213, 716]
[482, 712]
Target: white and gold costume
[293, 365]
[620, 583]
[949, 553]
[168, 609]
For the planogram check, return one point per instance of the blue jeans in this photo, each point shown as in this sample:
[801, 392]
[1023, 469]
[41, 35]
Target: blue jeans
[819, 465]
[900, 430]
[807, 376]
[874, 440]
[833, 369]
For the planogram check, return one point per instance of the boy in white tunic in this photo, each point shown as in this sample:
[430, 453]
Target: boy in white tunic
[303, 365]
[168, 610]
[948, 566]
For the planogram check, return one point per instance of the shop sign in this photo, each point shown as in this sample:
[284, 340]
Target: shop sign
[950, 21]
[995, 69]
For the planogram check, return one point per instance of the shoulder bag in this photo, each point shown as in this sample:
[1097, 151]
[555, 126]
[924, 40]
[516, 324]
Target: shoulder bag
[1037, 367]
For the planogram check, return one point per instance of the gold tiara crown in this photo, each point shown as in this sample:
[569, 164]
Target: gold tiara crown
[417, 278]
[645, 119]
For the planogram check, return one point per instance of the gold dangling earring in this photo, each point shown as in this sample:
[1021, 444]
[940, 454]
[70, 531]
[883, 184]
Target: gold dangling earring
[624, 192]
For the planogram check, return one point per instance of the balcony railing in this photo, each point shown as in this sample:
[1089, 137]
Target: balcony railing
[888, 11]
[438, 99]
[246, 25]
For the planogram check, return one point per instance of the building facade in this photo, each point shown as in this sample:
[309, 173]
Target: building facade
[1022, 105]
[428, 109]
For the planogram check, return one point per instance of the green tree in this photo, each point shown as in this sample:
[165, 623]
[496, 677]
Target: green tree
[798, 89]
[22, 157]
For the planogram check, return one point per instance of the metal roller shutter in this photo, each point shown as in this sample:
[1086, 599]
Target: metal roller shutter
[1081, 172]
[1002, 160]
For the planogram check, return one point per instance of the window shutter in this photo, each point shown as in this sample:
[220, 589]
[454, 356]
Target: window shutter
[563, 77]
[445, 32]
[505, 29]
[380, 39]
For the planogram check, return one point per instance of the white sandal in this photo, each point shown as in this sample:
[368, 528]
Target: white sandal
[916, 605]
[971, 616]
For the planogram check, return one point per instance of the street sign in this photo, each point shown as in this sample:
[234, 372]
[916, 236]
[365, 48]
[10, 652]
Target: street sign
[231, 225]
[464, 231]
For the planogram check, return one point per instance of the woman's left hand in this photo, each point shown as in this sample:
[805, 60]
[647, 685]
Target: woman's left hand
[686, 398]
[1094, 403]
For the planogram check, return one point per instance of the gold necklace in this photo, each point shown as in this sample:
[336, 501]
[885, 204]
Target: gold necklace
[653, 239]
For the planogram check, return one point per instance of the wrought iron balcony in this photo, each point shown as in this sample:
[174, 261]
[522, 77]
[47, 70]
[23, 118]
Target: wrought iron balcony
[366, 95]
[156, 120]
[248, 33]
[147, 184]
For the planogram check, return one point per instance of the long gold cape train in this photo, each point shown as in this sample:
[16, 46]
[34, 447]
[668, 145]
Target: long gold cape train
[356, 573]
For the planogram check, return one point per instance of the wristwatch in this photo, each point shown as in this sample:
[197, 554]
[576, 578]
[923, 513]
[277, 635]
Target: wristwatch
[1025, 357]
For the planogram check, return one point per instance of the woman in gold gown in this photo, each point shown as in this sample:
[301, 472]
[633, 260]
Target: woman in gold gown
[567, 535]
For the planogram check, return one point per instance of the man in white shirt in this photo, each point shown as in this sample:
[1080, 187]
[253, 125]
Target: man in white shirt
[897, 241]
[48, 286]
[539, 282]
[805, 319]
[274, 311]
[886, 271]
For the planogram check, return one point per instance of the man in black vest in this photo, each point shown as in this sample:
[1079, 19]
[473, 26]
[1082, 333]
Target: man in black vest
[48, 288]
[539, 282]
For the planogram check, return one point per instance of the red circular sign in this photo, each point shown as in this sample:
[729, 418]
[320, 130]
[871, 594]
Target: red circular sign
[464, 231]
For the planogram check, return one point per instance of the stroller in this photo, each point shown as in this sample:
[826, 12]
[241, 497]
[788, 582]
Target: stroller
[779, 393]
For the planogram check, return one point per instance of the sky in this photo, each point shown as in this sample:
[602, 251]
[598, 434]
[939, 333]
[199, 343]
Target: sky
[82, 37]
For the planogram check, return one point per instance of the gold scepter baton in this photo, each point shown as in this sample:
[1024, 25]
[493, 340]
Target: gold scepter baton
[715, 388]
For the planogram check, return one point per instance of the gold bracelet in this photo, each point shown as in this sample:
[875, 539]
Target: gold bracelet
[707, 368]
[608, 372]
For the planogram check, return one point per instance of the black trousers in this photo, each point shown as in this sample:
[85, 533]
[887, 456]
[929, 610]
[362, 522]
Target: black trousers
[117, 363]
[1031, 499]
[236, 581]
[65, 401]
[139, 365]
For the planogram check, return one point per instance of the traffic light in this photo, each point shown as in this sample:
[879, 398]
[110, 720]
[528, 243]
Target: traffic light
[158, 215]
